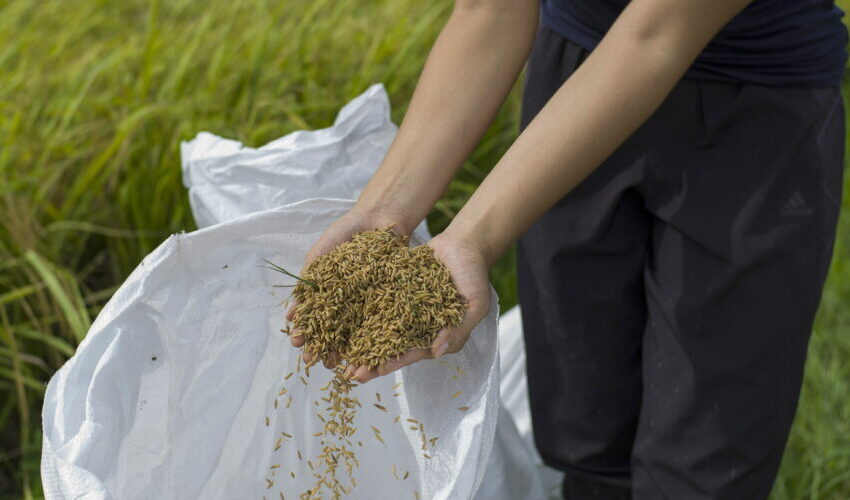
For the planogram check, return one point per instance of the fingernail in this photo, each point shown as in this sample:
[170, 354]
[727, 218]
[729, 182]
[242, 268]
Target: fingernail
[442, 349]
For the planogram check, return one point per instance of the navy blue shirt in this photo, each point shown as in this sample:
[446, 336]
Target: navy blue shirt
[770, 42]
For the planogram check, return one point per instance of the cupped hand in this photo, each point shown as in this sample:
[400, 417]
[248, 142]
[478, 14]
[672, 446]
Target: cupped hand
[468, 269]
[342, 230]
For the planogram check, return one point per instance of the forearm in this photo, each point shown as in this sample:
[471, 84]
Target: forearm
[472, 67]
[616, 89]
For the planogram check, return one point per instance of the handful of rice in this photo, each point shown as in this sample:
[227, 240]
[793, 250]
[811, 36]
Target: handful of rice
[374, 298]
[365, 302]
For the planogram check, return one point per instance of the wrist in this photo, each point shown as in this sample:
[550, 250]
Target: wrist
[381, 216]
[473, 236]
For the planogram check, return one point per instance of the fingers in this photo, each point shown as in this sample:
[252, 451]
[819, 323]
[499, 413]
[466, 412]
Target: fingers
[410, 357]
[307, 356]
[442, 343]
[332, 361]
[364, 374]
[451, 340]
[296, 339]
[448, 341]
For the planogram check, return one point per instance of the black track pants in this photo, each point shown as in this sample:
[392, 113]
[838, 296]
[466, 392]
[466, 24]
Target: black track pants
[668, 300]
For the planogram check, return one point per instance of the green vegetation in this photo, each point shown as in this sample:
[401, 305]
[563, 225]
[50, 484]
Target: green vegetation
[94, 99]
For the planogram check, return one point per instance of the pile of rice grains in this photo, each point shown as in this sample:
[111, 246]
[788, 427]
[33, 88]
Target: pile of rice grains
[366, 302]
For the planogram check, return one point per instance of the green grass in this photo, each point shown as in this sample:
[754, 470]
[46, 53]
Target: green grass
[94, 99]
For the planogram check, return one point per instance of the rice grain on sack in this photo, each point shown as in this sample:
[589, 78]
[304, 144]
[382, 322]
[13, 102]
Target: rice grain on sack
[364, 303]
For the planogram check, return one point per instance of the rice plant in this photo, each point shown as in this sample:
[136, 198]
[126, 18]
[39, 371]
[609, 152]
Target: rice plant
[96, 96]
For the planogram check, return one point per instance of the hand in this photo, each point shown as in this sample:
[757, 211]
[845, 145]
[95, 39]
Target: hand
[468, 269]
[342, 230]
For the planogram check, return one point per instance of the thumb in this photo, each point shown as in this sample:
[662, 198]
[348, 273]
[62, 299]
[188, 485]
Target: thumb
[446, 341]
[452, 339]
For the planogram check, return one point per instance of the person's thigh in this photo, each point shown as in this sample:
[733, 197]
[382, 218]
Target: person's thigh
[581, 293]
[746, 194]
[583, 311]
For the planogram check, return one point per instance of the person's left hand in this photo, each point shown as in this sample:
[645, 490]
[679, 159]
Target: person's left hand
[468, 269]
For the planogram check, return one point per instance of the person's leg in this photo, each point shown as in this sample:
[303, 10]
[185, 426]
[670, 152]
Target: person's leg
[583, 315]
[581, 293]
[746, 194]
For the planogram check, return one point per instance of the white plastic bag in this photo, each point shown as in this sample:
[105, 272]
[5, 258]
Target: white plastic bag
[168, 394]
[226, 179]
[513, 395]
[221, 176]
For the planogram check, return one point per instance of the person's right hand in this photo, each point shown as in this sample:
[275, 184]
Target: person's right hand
[342, 230]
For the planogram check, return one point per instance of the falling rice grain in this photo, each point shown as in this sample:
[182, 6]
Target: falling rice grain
[353, 308]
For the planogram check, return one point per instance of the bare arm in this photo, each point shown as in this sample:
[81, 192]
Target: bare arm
[617, 88]
[621, 83]
[469, 72]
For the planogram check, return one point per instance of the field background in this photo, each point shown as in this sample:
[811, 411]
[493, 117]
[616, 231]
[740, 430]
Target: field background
[95, 97]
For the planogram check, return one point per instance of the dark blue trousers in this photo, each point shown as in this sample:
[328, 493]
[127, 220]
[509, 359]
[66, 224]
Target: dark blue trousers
[668, 300]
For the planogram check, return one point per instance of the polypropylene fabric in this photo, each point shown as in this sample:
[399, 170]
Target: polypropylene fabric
[226, 179]
[167, 397]
[221, 176]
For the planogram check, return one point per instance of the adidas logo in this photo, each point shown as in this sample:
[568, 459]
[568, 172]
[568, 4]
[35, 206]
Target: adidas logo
[795, 206]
